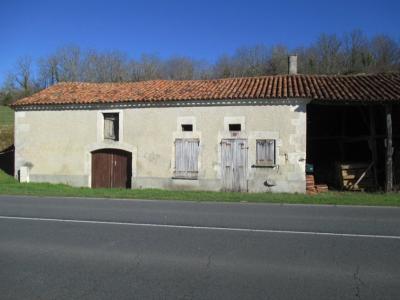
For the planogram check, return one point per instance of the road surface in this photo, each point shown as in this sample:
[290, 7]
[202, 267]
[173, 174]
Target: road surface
[60, 248]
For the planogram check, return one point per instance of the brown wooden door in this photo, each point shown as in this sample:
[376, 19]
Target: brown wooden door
[111, 168]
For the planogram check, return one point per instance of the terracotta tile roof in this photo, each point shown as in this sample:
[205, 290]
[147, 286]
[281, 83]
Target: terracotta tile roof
[377, 87]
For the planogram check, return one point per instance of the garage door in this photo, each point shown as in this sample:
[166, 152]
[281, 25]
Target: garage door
[111, 168]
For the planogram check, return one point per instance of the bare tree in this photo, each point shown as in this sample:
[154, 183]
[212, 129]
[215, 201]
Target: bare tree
[69, 59]
[223, 67]
[329, 54]
[104, 67]
[179, 68]
[48, 71]
[20, 82]
[147, 68]
[278, 62]
[308, 60]
[23, 74]
[386, 53]
[357, 54]
[330, 57]
[251, 61]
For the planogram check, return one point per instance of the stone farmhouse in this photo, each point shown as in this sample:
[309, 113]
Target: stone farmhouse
[237, 134]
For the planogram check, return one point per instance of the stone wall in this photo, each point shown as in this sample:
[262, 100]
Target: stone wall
[57, 144]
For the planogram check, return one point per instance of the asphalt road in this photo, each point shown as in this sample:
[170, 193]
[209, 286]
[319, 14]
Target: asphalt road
[58, 248]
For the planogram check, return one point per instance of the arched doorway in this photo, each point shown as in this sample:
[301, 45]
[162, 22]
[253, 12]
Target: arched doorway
[111, 168]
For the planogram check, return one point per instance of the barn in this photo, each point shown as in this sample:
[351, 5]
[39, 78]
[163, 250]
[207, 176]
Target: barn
[253, 134]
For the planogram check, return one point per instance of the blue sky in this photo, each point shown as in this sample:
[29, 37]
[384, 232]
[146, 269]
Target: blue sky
[200, 29]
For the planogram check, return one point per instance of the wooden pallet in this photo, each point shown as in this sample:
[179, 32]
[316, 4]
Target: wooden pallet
[355, 176]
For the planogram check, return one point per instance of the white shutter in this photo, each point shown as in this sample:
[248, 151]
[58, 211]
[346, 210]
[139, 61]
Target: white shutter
[109, 129]
[186, 158]
[111, 126]
[265, 152]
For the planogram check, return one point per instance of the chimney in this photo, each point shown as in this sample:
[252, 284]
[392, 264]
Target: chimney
[292, 64]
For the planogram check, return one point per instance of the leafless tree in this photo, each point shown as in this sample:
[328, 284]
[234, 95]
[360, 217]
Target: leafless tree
[178, 68]
[386, 53]
[278, 62]
[23, 74]
[329, 54]
[147, 68]
[329, 51]
[251, 61]
[358, 57]
[104, 67]
[223, 68]
[69, 59]
[48, 70]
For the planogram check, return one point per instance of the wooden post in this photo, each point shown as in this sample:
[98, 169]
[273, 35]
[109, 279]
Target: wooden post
[372, 143]
[389, 149]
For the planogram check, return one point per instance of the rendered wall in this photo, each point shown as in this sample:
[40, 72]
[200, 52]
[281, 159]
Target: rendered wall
[56, 144]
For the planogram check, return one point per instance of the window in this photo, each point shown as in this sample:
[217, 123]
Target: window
[111, 126]
[265, 153]
[187, 127]
[235, 127]
[186, 158]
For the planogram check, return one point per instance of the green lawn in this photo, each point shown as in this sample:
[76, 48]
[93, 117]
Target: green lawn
[6, 116]
[9, 186]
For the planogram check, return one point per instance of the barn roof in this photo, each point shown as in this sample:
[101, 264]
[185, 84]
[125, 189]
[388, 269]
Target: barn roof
[376, 87]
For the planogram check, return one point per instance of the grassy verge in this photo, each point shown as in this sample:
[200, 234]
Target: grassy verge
[6, 116]
[6, 127]
[9, 186]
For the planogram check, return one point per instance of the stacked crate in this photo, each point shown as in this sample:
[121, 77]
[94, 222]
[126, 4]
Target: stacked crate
[350, 173]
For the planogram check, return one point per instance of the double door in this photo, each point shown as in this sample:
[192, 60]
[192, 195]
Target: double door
[234, 164]
[111, 168]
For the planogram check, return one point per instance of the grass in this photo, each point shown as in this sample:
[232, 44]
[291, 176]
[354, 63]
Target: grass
[9, 186]
[6, 116]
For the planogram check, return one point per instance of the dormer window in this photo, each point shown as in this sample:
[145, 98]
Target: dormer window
[111, 126]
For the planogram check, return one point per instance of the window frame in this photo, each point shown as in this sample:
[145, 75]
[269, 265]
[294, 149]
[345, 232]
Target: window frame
[116, 125]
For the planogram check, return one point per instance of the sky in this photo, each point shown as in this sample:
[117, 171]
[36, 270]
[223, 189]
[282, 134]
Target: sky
[200, 29]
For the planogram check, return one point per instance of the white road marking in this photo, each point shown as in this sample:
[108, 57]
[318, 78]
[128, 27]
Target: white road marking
[392, 237]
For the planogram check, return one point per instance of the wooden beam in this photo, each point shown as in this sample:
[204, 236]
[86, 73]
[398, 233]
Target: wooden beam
[362, 176]
[389, 149]
[354, 139]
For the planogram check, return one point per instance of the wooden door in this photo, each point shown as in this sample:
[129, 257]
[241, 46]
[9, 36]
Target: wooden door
[234, 165]
[111, 168]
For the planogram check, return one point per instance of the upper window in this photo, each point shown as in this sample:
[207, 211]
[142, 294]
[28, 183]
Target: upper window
[186, 158]
[187, 127]
[111, 126]
[265, 153]
[235, 127]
